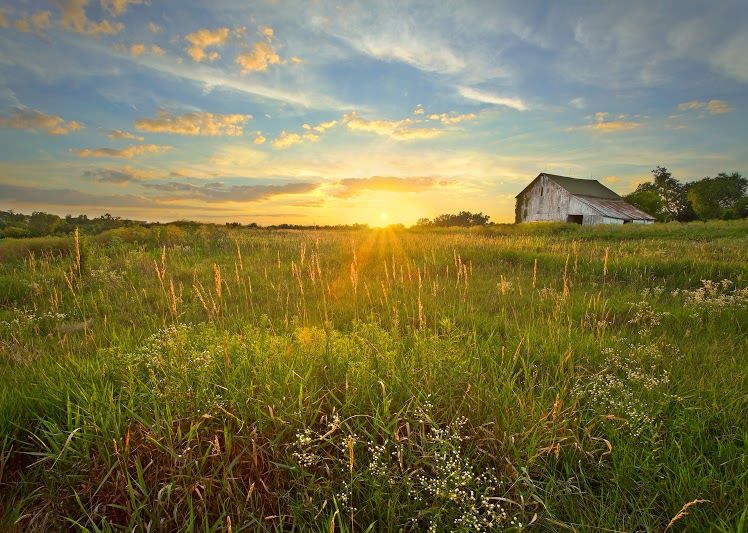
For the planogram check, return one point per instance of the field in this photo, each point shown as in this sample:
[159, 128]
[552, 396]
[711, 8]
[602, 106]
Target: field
[544, 377]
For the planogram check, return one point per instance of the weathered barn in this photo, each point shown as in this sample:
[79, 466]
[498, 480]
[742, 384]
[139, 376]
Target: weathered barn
[554, 198]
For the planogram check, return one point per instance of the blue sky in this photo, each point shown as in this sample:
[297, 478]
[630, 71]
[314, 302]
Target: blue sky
[375, 112]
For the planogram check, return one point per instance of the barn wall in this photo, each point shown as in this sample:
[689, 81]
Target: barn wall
[544, 201]
[591, 220]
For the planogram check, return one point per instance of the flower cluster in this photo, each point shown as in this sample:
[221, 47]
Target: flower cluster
[715, 295]
[645, 316]
[629, 387]
[426, 465]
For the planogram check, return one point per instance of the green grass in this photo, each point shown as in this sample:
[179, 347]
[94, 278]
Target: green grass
[376, 379]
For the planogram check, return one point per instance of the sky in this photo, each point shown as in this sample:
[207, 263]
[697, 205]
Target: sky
[377, 112]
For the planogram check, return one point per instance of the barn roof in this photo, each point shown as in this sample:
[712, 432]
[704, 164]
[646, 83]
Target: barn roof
[576, 186]
[615, 208]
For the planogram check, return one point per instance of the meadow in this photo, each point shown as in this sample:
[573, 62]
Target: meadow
[538, 377]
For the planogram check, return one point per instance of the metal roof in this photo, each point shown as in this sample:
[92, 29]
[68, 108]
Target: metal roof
[584, 187]
[614, 208]
[578, 186]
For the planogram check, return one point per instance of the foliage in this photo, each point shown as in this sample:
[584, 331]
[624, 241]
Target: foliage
[665, 198]
[462, 219]
[718, 197]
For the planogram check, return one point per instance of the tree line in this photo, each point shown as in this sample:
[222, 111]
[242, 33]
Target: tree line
[40, 224]
[667, 199]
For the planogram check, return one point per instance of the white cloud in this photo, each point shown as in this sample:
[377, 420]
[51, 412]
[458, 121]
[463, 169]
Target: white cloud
[491, 98]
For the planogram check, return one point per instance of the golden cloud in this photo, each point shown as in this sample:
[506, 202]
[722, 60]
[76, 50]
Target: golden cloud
[447, 119]
[713, 107]
[322, 126]
[3, 18]
[119, 176]
[196, 123]
[120, 135]
[205, 38]
[128, 152]
[419, 110]
[286, 139]
[34, 120]
[395, 129]
[117, 7]
[73, 17]
[22, 25]
[139, 49]
[259, 138]
[350, 187]
[603, 125]
[257, 58]
[311, 134]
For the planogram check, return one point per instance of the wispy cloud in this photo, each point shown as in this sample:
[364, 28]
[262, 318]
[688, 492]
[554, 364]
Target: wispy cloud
[452, 118]
[119, 176]
[128, 152]
[401, 130]
[121, 135]
[286, 139]
[35, 120]
[196, 123]
[37, 196]
[492, 98]
[218, 192]
[350, 187]
[602, 124]
[713, 107]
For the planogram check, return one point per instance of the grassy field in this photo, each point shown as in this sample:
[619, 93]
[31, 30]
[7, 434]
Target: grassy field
[544, 377]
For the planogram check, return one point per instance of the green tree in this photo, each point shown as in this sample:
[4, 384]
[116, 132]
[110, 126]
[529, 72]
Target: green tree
[718, 197]
[41, 223]
[648, 200]
[463, 218]
[672, 194]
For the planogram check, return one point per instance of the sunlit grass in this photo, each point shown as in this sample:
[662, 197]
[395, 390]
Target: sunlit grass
[552, 376]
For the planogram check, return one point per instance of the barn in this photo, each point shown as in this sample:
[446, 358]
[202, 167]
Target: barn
[553, 198]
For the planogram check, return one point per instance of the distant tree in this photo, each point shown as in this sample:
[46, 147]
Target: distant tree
[423, 222]
[41, 223]
[672, 194]
[463, 218]
[718, 197]
[648, 200]
[15, 232]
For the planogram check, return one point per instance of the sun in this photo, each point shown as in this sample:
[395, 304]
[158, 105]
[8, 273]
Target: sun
[383, 217]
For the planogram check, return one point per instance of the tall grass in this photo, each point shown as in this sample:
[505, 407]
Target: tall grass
[540, 377]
